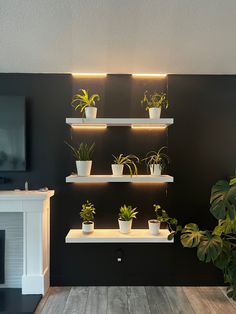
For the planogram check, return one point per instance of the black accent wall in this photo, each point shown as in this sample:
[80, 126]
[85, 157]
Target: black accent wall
[2, 256]
[201, 145]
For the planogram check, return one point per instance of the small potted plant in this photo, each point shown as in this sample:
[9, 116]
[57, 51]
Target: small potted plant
[157, 161]
[126, 215]
[154, 103]
[85, 104]
[161, 217]
[87, 214]
[83, 155]
[120, 161]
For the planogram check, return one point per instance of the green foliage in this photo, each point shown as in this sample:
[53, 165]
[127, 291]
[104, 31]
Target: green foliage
[129, 161]
[81, 100]
[127, 213]
[158, 157]
[87, 212]
[223, 199]
[217, 246]
[83, 151]
[158, 100]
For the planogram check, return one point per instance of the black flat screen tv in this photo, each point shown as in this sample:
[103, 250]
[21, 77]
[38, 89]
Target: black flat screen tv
[12, 133]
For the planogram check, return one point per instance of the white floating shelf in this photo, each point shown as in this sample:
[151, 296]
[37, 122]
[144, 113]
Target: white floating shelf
[124, 178]
[114, 236]
[104, 122]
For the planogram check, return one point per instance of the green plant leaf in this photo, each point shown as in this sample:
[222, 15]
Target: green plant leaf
[223, 200]
[223, 258]
[209, 248]
[191, 235]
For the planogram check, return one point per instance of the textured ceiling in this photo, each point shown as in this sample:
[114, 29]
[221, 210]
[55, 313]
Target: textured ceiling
[118, 36]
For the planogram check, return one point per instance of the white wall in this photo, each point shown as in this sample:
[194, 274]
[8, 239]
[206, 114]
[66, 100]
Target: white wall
[118, 36]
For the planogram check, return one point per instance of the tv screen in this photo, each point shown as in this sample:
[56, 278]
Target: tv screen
[12, 133]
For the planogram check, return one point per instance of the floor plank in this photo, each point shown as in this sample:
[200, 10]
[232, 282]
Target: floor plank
[137, 300]
[77, 300]
[117, 300]
[97, 300]
[224, 290]
[56, 300]
[216, 300]
[178, 300]
[157, 300]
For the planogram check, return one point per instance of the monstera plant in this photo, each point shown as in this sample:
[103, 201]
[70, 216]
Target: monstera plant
[217, 246]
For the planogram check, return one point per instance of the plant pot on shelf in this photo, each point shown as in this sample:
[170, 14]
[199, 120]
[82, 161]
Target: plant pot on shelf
[83, 167]
[155, 169]
[117, 170]
[154, 226]
[91, 112]
[154, 113]
[125, 226]
[88, 226]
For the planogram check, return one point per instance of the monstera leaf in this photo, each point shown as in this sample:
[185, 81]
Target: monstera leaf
[223, 258]
[209, 248]
[191, 235]
[223, 199]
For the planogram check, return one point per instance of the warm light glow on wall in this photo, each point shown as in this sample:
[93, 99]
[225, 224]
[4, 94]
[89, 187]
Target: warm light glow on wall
[145, 127]
[89, 126]
[89, 74]
[149, 75]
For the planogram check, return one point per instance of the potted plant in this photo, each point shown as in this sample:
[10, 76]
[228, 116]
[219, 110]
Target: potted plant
[157, 161]
[161, 217]
[120, 161]
[87, 214]
[126, 215]
[85, 104]
[83, 155]
[154, 103]
[217, 246]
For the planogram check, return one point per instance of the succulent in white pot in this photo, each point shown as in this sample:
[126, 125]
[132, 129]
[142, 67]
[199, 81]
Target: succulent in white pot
[126, 216]
[83, 156]
[161, 217]
[157, 161]
[85, 104]
[154, 102]
[87, 214]
[121, 161]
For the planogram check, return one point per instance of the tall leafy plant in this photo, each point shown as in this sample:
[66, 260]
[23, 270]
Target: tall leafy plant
[83, 151]
[155, 100]
[81, 100]
[217, 246]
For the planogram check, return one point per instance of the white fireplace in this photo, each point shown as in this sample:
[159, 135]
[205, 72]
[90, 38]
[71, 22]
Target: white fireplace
[34, 207]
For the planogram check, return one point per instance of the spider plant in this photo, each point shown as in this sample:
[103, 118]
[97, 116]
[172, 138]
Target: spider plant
[83, 151]
[129, 161]
[157, 158]
[81, 100]
[155, 100]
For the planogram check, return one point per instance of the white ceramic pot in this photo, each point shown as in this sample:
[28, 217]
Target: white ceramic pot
[91, 112]
[155, 170]
[88, 226]
[83, 167]
[125, 226]
[117, 170]
[154, 113]
[154, 226]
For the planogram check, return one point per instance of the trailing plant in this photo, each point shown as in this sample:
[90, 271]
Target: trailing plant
[127, 213]
[155, 100]
[87, 212]
[217, 246]
[157, 157]
[83, 151]
[162, 216]
[129, 161]
[81, 100]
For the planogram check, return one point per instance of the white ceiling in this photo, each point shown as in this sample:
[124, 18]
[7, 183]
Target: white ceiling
[118, 36]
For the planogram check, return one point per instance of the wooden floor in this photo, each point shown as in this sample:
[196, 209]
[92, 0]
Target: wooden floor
[136, 300]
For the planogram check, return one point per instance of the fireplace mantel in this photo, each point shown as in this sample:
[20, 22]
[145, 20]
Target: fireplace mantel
[35, 206]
